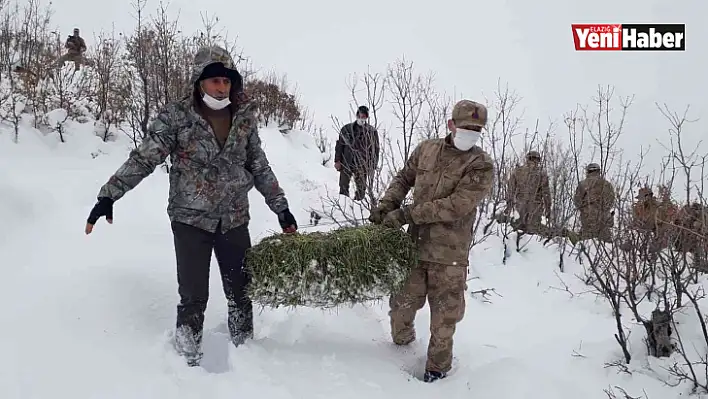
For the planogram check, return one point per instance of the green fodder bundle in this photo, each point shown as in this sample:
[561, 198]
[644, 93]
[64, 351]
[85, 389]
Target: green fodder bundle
[344, 266]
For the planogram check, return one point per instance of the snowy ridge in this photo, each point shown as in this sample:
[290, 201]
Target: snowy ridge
[90, 316]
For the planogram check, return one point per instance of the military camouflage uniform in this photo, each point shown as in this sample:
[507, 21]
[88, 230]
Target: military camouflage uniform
[692, 230]
[76, 46]
[595, 199]
[448, 184]
[208, 197]
[647, 232]
[530, 193]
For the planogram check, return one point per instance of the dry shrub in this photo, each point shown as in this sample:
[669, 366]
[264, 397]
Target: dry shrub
[274, 104]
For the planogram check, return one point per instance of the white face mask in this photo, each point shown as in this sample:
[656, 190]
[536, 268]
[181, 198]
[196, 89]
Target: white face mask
[466, 139]
[360, 121]
[215, 104]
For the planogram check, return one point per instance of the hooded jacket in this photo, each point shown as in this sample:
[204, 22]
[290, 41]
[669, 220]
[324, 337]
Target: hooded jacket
[208, 184]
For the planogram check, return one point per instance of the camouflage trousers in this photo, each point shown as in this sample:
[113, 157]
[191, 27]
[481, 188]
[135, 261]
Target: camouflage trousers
[530, 217]
[596, 225]
[444, 287]
[77, 59]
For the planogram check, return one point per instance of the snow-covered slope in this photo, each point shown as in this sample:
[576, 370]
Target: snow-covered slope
[89, 316]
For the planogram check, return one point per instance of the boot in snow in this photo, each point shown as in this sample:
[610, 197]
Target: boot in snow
[187, 345]
[432, 376]
[240, 325]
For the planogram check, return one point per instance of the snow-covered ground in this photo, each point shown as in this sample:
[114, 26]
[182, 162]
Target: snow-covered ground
[89, 316]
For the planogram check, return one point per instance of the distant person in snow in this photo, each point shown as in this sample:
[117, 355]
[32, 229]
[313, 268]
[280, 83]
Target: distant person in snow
[530, 193]
[212, 139]
[449, 177]
[595, 199]
[357, 153]
[76, 47]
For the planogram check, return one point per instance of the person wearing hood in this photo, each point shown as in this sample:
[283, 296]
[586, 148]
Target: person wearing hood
[356, 153]
[450, 177]
[211, 137]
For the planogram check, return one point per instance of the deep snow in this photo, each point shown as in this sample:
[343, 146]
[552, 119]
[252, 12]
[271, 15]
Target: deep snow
[90, 316]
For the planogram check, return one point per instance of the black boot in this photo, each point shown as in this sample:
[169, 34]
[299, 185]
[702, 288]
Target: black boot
[240, 325]
[188, 345]
[432, 376]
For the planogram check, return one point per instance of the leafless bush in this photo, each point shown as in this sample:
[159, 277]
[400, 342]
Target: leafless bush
[558, 161]
[604, 269]
[274, 102]
[324, 144]
[113, 85]
[503, 127]
[408, 91]
[438, 107]
[680, 272]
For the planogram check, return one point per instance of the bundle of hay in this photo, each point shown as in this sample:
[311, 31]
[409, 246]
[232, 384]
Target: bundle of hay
[345, 266]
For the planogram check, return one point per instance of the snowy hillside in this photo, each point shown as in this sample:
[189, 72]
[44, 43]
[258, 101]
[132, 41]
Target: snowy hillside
[89, 316]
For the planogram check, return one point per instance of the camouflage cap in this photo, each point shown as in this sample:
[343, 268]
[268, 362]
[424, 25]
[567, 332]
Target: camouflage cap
[533, 155]
[469, 114]
[592, 167]
[644, 192]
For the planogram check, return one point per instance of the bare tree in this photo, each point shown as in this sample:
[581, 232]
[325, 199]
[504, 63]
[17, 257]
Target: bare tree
[408, 92]
[438, 107]
[366, 89]
[138, 61]
[113, 85]
[503, 127]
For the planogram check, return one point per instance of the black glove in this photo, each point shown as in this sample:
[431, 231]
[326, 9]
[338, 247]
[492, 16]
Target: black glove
[103, 207]
[287, 221]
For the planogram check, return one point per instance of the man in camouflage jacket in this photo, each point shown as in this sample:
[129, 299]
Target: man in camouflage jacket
[692, 231]
[530, 193]
[595, 199]
[212, 139]
[76, 47]
[449, 177]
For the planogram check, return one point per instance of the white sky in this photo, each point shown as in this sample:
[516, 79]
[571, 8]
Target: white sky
[469, 44]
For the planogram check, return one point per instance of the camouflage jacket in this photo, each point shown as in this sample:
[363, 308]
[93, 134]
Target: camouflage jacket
[208, 184]
[692, 217]
[75, 45]
[652, 215]
[594, 195]
[528, 184]
[448, 185]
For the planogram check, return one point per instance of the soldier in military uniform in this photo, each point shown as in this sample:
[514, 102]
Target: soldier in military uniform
[530, 193]
[595, 199]
[76, 47]
[450, 177]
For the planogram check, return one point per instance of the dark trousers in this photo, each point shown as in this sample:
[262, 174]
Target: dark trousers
[193, 248]
[345, 177]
